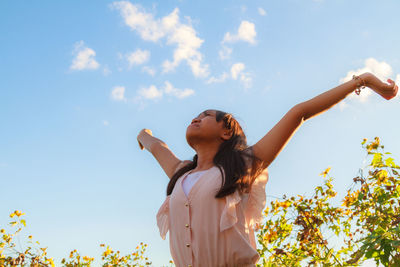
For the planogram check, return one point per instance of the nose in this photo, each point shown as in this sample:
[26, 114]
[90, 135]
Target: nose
[195, 120]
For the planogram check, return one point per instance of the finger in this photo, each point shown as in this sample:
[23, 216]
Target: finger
[140, 145]
[390, 86]
[393, 94]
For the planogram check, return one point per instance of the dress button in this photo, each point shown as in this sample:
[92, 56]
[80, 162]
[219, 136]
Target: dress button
[186, 204]
[188, 245]
[187, 225]
[189, 265]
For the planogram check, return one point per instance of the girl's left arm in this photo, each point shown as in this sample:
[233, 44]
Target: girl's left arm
[268, 147]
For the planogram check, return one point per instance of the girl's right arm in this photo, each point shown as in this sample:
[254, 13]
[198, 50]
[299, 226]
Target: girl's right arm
[167, 160]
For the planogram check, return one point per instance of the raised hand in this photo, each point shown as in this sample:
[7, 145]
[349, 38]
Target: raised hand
[387, 91]
[142, 132]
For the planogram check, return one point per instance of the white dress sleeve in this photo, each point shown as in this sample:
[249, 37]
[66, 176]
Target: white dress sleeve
[257, 197]
[257, 200]
[253, 211]
[163, 218]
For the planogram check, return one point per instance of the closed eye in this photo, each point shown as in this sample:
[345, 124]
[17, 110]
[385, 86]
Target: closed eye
[203, 113]
[207, 114]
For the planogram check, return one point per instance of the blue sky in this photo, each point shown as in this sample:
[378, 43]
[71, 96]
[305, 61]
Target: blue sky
[79, 80]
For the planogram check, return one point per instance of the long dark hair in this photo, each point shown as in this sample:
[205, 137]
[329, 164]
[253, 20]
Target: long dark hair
[231, 156]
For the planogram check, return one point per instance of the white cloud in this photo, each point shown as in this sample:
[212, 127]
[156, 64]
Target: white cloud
[144, 23]
[225, 52]
[246, 80]
[138, 57]
[118, 93]
[150, 93]
[182, 35]
[179, 93]
[382, 70]
[219, 79]
[244, 77]
[106, 70]
[246, 32]
[261, 11]
[84, 58]
[236, 69]
[187, 42]
[237, 73]
[154, 93]
[149, 70]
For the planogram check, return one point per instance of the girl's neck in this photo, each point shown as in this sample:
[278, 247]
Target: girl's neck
[205, 157]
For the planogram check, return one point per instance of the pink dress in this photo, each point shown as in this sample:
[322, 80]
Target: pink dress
[205, 231]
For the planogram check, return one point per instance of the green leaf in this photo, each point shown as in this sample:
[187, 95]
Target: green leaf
[390, 162]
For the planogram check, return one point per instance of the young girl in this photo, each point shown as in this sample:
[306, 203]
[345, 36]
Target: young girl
[215, 201]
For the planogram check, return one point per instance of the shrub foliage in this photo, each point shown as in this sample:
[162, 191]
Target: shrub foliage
[322, 231]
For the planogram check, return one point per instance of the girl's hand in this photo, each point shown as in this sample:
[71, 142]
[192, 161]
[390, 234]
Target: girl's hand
[387, 91]
[142, 132]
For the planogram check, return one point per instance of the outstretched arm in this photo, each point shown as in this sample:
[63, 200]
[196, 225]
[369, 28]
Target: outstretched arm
[268, 147]
[167, 160]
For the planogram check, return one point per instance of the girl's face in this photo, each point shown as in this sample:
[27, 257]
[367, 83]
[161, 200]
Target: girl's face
[205, 127]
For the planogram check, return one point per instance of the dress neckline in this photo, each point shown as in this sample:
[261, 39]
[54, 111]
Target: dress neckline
[191, 171]
[196, 183]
